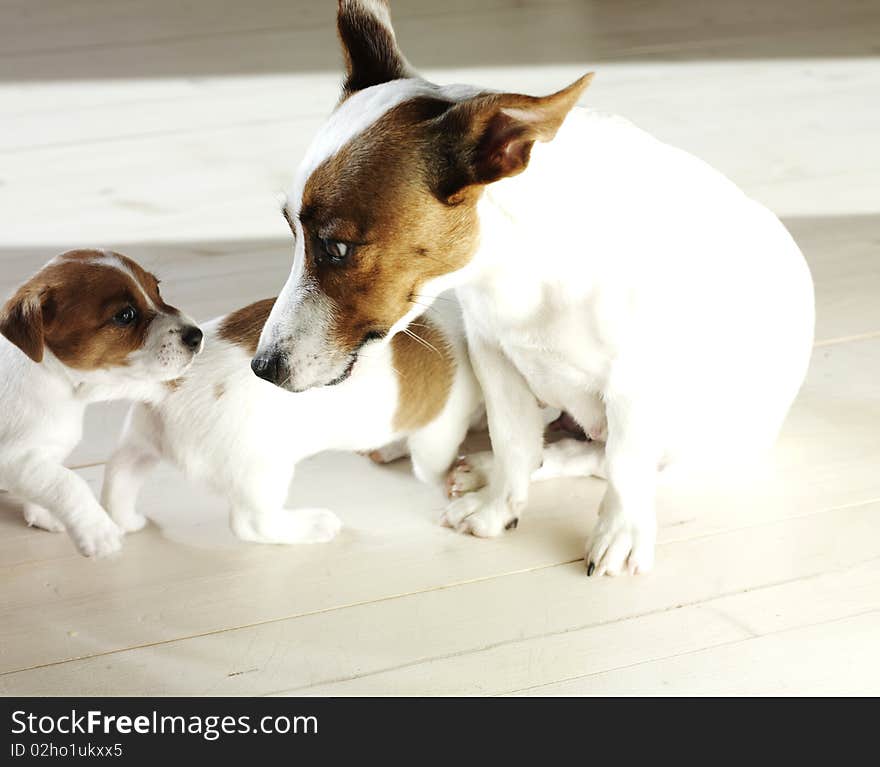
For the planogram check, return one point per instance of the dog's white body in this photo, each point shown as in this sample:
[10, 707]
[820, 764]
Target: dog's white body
[616, 278]
[242, 436]
[599, 270]
[621, 279]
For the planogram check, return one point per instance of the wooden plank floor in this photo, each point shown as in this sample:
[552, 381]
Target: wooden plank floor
[165, 130]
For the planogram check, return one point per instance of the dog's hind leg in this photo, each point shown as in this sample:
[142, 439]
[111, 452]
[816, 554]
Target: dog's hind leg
[137, 454]
[390, 452]
[571, 458]
[564, 458]
[434, 447]
[283, 526]
[257, 515]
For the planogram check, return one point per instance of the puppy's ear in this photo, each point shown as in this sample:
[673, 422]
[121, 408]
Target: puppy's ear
[493, 134]
[21, 321]
[371, 53]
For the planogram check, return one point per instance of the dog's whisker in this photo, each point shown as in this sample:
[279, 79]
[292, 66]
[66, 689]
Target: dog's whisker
[439, 261]
[426, 307]
[434, 298]
[422, 341]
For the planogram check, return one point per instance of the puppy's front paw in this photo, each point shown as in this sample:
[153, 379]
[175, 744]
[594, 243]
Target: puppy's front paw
[37, 516]
[130, 522]
[468, 473]
[619, 544]
[479, 514]
[100, 538]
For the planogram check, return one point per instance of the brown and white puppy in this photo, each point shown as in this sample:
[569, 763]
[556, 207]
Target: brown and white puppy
[91, 325]
[244, 437]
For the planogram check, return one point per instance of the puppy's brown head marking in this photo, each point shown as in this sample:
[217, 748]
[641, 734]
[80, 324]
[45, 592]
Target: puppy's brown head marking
[90, 308]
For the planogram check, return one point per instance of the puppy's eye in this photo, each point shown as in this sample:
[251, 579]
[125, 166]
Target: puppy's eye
[335, 252]
[126, 316]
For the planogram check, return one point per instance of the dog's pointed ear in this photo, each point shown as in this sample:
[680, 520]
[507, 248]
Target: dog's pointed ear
[494, 133]
[21, 321]
[370, 47]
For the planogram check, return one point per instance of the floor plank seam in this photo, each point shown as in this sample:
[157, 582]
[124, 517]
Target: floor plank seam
[287, 122]
[867, 336]
[297, 616]
[687, 653]
[588, 626]
[756, 525]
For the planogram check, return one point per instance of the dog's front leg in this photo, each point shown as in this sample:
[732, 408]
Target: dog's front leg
[68, 497]
[624, 536]
[516, 429]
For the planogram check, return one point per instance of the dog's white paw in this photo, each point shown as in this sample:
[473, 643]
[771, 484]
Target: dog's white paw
[314, 525]
[287, 526]
[97, 539]
[468, 474]
[620, 545]
[37, 516]
[479, 514]
[388, 453]
[130, 521]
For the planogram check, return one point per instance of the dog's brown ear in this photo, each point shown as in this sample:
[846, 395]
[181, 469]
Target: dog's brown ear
[21, 321]
[371, 53]
[494, 133]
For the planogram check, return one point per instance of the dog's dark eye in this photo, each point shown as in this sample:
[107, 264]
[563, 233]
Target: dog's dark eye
[126, 316]
[335, 252]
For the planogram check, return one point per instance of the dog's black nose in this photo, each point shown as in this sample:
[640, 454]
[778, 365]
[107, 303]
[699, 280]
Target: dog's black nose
[270, 367]
[191, 337]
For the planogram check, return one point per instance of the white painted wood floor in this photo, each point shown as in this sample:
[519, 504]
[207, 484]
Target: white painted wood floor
[165, 130]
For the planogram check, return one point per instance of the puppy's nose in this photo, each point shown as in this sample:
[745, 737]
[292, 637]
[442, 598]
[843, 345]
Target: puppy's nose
[191, 337]
[270, 367]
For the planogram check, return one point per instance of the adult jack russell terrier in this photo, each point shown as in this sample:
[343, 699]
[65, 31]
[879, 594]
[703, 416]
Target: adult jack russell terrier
[221, 424]
[90, 326]
[599, 270]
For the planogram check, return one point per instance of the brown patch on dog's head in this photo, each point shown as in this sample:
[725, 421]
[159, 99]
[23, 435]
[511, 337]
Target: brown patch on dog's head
[91, 309]
[425, 370]
[401, 199]
[375, 198]
[243, 326]
[388, 212]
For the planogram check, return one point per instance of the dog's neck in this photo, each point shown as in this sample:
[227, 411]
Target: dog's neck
[100, 385]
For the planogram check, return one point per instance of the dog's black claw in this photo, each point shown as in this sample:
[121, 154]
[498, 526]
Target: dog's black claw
[590, 568]
[512, 524]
